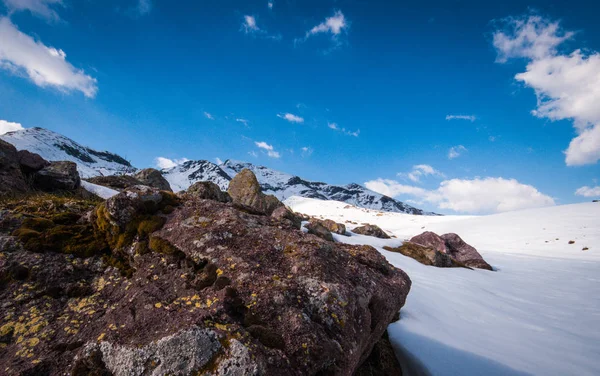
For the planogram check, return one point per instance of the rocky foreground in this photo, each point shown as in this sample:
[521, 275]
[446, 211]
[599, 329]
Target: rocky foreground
[153, 283]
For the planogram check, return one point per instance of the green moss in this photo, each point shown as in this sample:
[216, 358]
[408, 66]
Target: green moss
[37, 224]
[149, 225]
[160, 245]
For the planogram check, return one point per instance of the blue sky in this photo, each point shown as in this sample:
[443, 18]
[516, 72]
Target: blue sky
[431, 102]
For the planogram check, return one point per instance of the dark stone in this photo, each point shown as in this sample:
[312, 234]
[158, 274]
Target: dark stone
[371, 230]
[284, 213]
[463, 252]
[209, 191]
[319, 230]
[116, 182]
[12, 179]
[31, 162]
[153, 178]
[382, 361]
[57, 176]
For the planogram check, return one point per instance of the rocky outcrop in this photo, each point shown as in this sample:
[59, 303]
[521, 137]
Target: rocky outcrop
[149, 283]
[57, 176]
[371, 230]
[316, 228]
[463, 252]
[209, 191]
[283, 213]
[245, 193]
[31, 162]
[153, 178]
[12, 179]
[334, 227]
[452, 245]
[382, 361]
[116, 182]
[424, 255]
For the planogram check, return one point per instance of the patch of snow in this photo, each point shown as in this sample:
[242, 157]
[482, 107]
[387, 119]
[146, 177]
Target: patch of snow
[538, 313]
[99, 190]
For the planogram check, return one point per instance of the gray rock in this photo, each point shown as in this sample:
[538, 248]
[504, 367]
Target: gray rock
[12, 179]
[285, 213]
[463, 252]
[319, 230]
[371, 230]
[153, 178]
[57, 176]
[209, 191]
[31, 162]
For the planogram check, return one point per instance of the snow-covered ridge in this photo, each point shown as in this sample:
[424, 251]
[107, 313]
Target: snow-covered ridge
[55, 147]
[282, 185]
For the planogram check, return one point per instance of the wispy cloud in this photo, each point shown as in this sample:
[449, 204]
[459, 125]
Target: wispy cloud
[39, 8]
[461, 117]
[46, 66]
[333, 26]
[477, 196]
[249, 24]
[208, 116]
[270, 4]
[243, 121]
[586, 191]
[307, 151]
[345, 131]
[7, 126]
[291, 118]
[566, 85]
[420, 171]
[252, 153]
[268, 149]
[456, 151]
[166, 163]
[144, 7]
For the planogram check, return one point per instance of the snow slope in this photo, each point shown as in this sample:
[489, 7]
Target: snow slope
[55, 147]
[281, 185]
[99, 190]
[538, 313]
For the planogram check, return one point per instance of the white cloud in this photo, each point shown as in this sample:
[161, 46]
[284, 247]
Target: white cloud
[165, 163]
[291, 118]
[45, 66]
[307, 151]
[334, 25]
[461, 117]
[209, 116]
[270, 4]
[345, 131]
[7, 126]
[456, 151]
[586, 191]
[567, 86]
[39, 8]
[253, 154]
[268, 148]
[219, 161]
[243, 121]
[419, 171]
[144, 7]
[249, 24]
[477, 196]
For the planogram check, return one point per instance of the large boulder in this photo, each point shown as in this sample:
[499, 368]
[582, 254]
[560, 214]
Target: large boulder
[283, 213]
[334, 227]
[31, 162]
[371, 230]
[12, 179]
[57, 176]
[319, 230]
[208, 289]
[153, 178]
[463, 252]
[424, 255]
[452, 245]
[209, 191]
[116, 182]
[245, 192]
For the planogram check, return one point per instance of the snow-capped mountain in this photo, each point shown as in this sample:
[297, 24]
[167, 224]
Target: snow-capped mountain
[282, 185]
[55, 147]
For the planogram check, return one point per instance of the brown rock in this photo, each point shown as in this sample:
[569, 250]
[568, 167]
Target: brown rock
[12, 179]
[382, 361]
[31, 162]
[463, 252]
[334, 227]
[431, 240]
[215, 290]
[116, 182]
[424, 255]
[153, 178]
[283, 213]
[371, 230]
[319, 230]
[57, 176]
[245, 192]
[209, 191]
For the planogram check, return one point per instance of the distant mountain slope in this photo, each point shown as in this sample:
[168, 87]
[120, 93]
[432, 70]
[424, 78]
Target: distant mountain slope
[282, 185]
[55, 147]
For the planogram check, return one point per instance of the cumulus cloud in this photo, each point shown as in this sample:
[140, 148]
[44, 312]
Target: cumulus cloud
[208, 116]
[456, 151]
[333, 26]
[45, 66]
[166, 163]
[291, 118]
[419, 171]
[39, 8]
[461, 117]
[268, 149]
[343, 130]
[249, 24]
[476, 196]
[586, 191]
[7, 126]
[566, 84]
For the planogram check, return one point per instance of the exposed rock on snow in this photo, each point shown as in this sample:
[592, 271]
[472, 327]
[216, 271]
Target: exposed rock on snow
[424, 255]
[153, 178]
[245, 192]
[452, 245]
[371, 230]
[334, 227]
[209, 191]
[318, 229]
[116, 182]
[153, 283]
